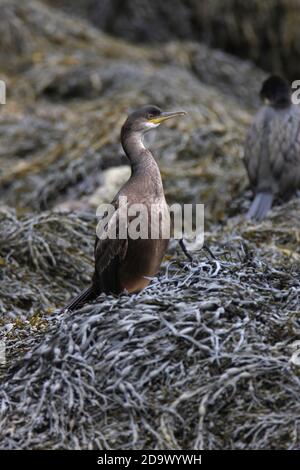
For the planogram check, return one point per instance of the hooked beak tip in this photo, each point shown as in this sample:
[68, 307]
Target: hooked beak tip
[168, 115]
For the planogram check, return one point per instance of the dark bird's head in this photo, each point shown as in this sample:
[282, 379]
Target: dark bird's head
[276, 91]
[146, 118]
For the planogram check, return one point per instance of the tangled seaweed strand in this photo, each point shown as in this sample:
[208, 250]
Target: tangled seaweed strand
[43, 256]
[207, 357]
[199, 360]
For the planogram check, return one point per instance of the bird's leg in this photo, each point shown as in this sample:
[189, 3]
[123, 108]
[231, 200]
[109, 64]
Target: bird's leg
[185, 251]
[206, 248]
[189, 256]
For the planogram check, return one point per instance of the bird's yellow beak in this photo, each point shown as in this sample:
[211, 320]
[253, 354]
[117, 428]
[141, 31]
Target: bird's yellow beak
[165, 116]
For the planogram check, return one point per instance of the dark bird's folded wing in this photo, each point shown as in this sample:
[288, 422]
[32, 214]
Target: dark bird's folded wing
[110, 250]
[272, 157]
[285, 151]
[256, 147]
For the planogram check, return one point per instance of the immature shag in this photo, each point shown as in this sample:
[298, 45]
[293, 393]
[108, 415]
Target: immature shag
[272, 149]
[128, 264]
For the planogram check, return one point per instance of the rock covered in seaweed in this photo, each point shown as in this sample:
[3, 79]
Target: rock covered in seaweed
[207, 344]
[200, 359]
[65, 129]
[234, 26]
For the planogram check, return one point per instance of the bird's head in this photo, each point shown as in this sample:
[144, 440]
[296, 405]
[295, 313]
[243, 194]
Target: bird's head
[275, 91]
[147, 118]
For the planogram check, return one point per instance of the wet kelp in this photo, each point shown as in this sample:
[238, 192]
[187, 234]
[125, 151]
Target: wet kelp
[200, 359]
[38, 258]
[207, 356]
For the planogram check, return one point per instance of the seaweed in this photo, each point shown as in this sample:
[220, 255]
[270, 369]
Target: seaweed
[207, 356]
[201, 359]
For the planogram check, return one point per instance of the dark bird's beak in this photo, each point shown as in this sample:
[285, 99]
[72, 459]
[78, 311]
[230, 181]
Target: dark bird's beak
[165, 116]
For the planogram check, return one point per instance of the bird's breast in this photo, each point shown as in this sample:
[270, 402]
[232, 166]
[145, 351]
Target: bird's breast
[144, 255]
[142, 263]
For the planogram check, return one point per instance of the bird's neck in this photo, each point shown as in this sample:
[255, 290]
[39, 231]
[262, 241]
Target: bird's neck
[141, 159]
[144, 169]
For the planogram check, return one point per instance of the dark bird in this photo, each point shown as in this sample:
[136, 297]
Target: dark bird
[272, 149]
[127, 264]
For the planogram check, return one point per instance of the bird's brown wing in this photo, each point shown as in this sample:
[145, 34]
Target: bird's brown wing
[285, 150]
[109, 252]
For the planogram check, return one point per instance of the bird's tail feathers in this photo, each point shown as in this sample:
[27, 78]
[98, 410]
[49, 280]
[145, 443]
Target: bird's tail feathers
[260, 206]
[84, 296]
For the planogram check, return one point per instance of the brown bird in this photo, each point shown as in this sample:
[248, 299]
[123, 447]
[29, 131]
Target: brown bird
[127, 264]
[272, 149]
